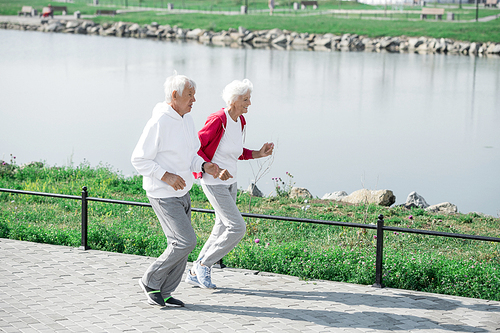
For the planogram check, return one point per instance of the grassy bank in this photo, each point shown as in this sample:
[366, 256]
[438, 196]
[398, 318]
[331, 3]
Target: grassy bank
[416, 262]
[402, 24]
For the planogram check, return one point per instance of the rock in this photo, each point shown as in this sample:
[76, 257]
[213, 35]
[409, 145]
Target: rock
[416, 200]
[300, 192]
[194, 34]
[474, 48]
[273, 33]
[243, 30]
[280, 40]
[491, 48]
[326, 42]
[380, 197]
[443, 208]
[205, 38]
[80, 30]
[413, 43]
[134, 27]
[248, 37]
[387, 42]
[261, 40]
[496, 49]
[72, 24]
[335, 195]
[54, 27]
[236, 36]
[254, 190]
[180, 33]
[222, 38]
[299, 41]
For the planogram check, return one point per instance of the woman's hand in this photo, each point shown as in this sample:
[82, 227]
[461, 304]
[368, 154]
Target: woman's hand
[266, 150]
[176, 181]
[225, 175]
[212, 169]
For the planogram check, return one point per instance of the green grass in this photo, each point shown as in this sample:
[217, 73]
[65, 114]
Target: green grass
[310, 251]
[290, 20]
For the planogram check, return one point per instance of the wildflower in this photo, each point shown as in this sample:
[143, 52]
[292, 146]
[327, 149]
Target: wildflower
[374, 236]
[257, 241]
[410, 217]
[396, 233]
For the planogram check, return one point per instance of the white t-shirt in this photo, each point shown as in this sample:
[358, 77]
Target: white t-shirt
[227, 153]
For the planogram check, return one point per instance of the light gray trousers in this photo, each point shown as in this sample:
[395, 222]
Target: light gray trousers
[229, 227]
[174, 215]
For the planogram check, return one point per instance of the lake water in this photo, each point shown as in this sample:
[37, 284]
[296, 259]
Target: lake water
[340, 121]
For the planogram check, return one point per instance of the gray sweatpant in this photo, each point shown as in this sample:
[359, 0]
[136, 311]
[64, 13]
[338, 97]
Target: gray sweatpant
[229, 227]
[174, 215]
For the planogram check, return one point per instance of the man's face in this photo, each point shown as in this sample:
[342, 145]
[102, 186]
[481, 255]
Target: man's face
[183, 104]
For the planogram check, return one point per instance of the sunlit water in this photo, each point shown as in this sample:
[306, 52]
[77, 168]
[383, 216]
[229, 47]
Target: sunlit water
[340, 121]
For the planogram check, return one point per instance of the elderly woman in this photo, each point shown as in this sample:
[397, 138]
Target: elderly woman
[221, 141]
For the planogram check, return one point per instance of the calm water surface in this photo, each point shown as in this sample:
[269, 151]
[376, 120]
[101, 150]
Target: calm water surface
[340, 121]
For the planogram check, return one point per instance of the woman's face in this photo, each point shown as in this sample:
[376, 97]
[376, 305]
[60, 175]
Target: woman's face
[241, 104]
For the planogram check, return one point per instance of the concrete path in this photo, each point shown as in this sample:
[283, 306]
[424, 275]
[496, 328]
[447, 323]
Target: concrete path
[50, 288]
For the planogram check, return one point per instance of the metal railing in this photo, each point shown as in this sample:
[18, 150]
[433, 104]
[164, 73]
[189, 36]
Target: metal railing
[379, 226]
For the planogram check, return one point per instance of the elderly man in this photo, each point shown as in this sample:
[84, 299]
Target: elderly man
[166, 156]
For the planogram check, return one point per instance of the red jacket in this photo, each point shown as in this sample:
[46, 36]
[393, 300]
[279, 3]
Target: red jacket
[211, 134]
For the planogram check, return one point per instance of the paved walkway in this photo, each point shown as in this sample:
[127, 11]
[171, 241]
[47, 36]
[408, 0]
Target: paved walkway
[50, 288]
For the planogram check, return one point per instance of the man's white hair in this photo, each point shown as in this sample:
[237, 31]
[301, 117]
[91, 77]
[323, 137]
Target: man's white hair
[235, 89]
[176, 83]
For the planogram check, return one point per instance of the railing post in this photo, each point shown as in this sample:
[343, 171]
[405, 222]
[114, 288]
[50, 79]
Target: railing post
[380, 250]
[84, 219]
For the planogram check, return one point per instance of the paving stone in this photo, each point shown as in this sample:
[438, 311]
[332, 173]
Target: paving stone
[69, 290]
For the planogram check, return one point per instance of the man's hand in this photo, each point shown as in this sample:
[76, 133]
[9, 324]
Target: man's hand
[212, 169]
[225, 175]
[176, 181]
[266, 150]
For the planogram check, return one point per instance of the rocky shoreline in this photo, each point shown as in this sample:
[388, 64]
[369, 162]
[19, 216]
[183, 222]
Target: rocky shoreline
[275, 38]
[384, 198]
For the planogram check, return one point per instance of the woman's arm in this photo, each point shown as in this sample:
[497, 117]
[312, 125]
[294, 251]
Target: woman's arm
[266, 150]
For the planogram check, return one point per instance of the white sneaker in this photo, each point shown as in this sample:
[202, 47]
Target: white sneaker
[204, 275]
[192, 279]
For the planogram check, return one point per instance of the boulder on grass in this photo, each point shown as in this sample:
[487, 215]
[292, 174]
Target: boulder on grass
[443, 208]
[380, 197]
[300, 192]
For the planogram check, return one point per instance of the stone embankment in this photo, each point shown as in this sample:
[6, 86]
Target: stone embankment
[275, 38]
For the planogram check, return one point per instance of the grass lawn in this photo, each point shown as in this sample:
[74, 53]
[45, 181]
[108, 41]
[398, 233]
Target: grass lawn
[310, 251]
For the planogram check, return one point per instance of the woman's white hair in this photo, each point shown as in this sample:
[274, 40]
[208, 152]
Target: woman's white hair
[176, 83]
[235, 89]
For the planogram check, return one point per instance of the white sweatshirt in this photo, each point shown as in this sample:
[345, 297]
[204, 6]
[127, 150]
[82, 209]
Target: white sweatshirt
[170, 143]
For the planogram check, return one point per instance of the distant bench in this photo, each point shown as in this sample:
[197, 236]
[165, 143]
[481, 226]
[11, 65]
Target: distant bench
[490, 3]
[438, 12]
[62, 9]
[304, 4]
[49, 11]
[105, 12]
[27, 10]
